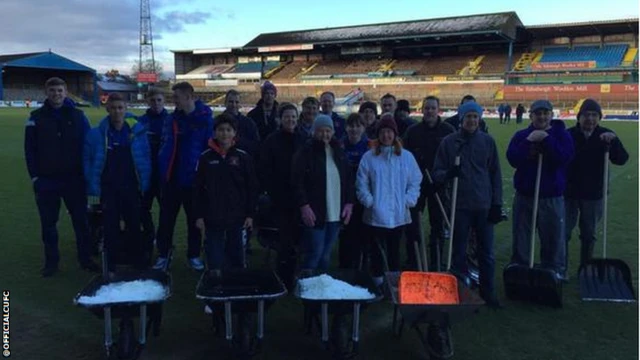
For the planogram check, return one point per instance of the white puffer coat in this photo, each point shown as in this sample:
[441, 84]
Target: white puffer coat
[388, 185]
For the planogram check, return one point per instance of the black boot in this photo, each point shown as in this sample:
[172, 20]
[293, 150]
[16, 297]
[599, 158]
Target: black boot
[586, 253]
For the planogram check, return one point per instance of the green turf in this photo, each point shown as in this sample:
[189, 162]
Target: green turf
[45, 323]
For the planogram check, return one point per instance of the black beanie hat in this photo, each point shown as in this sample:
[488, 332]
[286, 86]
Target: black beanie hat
[590, 105]
[368, 105]
[403, 105]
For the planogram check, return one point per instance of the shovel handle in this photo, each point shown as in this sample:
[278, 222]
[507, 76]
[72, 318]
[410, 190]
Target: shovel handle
[438, 200]
[454, 200]
[605, 196]
[534, 215]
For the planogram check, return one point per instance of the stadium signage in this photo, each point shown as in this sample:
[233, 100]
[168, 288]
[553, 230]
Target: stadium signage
[559, 89]
[298, 47]
[563, 65]
[147, 77]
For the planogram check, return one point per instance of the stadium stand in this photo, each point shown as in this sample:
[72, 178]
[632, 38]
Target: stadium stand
[492, 56]
[22, 76]
[607, 56]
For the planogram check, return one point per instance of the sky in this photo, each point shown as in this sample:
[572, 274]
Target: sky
[104, 34]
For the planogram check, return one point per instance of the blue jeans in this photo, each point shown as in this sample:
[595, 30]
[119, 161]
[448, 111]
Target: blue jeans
[550, 229]
[224, 248]
[465, 221]
[73, 194]
[317, 243]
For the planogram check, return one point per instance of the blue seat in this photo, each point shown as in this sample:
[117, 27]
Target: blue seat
[606, 56]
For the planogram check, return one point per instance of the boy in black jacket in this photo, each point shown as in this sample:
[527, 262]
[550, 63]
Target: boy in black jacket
[583, 195]
[225, 196]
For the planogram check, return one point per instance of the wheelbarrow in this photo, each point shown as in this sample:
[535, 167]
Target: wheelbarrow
[149, 312]
[242, 292]
[345, 343]
[416, 315]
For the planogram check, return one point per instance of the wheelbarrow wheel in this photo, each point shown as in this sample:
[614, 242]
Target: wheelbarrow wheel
[341, 337]
[126, 339]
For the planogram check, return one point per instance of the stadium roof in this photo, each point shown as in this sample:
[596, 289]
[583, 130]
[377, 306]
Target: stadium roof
[42, 60]
[608, 27]
[498, 23]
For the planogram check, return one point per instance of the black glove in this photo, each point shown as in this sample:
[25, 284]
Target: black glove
[454, 172]
[495, 214]
[536, 148]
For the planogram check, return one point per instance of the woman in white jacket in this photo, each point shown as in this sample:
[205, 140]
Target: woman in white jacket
[388, 184]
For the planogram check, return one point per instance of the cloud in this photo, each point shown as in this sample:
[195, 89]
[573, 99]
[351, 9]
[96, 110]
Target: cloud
[99, 34]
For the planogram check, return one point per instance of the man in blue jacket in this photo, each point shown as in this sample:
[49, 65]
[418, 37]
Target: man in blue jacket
[583, 196]
[184, 138]
[54, 136]
[117, 168]
[549, 138]
[153, 120]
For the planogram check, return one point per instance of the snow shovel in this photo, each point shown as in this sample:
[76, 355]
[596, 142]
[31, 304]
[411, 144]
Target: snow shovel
[533, 283]
[606, 279]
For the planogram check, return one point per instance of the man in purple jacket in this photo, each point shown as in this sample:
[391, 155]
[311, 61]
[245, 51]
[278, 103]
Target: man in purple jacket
[549, 138]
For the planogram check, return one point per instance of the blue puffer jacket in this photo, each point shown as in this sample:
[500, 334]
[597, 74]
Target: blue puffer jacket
[95, 154]
[196, 129]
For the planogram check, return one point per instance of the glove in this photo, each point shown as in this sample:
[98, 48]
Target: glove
[495, 214]
[454, 172]
[536, 148]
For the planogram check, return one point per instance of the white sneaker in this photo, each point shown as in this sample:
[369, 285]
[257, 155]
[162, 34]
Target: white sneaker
[161, 262]
[196, 264]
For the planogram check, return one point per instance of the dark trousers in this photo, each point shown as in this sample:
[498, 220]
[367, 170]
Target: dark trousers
[354, 241]
[501, 117]
[477, 220]
[146, 204]
[128, 246]
[173, 197]
[414, 232]
[389, 240]
[224, 247]
[507, 118]
[289, 234]
[49, 201]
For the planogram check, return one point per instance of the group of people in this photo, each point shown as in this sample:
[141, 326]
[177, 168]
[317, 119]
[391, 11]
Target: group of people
[505, 110]
[365, 180]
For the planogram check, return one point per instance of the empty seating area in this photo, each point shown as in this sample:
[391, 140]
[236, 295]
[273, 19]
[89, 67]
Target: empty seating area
[496, 63]
[253, 67]
[338, 67]
[605, 57]
[291, 69]
[22, 94]
[436, 65]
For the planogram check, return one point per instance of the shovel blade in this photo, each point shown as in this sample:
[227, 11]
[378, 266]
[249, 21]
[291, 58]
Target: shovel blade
[537, 284]
[606, 280]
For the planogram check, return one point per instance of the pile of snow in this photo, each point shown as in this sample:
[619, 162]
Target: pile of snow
[126, 291]
[324, 287]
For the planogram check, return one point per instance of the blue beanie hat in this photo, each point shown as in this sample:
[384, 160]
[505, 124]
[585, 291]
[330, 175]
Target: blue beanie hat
[470, 106]
[322, 120]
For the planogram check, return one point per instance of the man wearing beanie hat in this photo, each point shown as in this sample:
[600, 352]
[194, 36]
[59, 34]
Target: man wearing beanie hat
[479, 198]
[550, 138]
[265, 114]
[456, 119]
[401, 116]
[583, 196]
[422, 140]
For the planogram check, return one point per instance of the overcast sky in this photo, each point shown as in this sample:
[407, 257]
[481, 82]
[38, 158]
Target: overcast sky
[104, 34]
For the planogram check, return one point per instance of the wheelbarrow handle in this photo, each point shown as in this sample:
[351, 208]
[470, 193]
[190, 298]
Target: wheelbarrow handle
[605, 196]
[534, 215]
[454, 200]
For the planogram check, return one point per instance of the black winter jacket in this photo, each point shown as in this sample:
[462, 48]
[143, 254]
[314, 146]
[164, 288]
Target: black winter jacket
[309, 178]
[423, 141]
[585, 172]
[266, 125]
[274, 168]
[225, 191]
